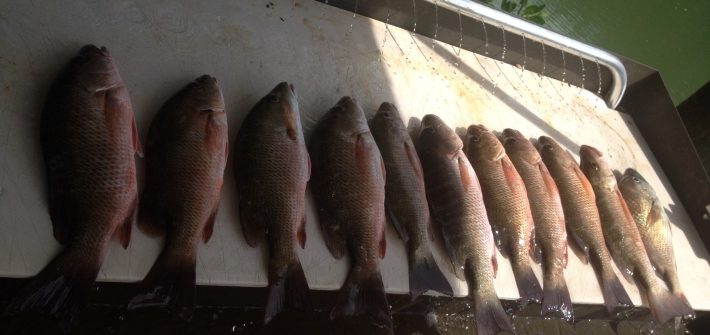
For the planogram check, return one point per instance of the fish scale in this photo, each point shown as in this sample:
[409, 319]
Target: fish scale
[458, 211]
[548, 216]
[623, 237]
[654, 226]
[507, 206]
[272, 167]
[405, 200]
[348, 185]
[582, 218]
[89, 140]
[186, 155]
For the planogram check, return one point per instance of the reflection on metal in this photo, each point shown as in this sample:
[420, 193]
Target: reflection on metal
[503, 37]
[551, 39]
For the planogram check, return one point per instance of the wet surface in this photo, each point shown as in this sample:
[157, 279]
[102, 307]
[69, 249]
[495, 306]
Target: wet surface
[230, 310]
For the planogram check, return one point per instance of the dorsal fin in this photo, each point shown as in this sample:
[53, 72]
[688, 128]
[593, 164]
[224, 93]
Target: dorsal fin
[583, 179]
[466, 177]
[547, 178]
[413, 159]
[624, 207]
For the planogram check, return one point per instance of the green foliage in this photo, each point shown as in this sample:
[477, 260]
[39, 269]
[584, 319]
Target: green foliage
[521, 8]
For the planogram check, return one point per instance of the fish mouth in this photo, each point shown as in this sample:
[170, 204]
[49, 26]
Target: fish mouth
[92, 50]
[545, 143]
[387, 110]
[476, 129]
[510, 135]
[589, 152]
[429, 122]
[631, 174]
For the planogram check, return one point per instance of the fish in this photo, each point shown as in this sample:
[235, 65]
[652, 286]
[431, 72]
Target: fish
[507, 206]
[582, 217]
[548, 215]
[458, 212]
[272, 168]
[348, 186]
[653, 225]
[186, 153]
[623, 238]
[405, 200]
[89, 142]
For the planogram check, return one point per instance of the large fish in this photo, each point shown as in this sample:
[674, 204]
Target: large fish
[582, 217]
[653, 225]
[89, 139]
[272, 168]
[550, 232]
[185, 157]
[507, 206]
[405, 200]
[623, 237]
[457, 209]
[348, 184]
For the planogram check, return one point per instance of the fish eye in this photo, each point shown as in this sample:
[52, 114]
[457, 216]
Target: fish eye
[595, 166]
[634, 178]
[547, 147]
[475, 138]
[272, 98]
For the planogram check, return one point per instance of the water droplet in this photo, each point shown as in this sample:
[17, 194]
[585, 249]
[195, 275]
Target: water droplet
[599, 75]
[502, 56]
[564, 68]
[436, 23]
[414, 17]
[485, 36]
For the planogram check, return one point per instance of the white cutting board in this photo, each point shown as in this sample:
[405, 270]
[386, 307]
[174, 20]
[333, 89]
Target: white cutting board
[250, 46]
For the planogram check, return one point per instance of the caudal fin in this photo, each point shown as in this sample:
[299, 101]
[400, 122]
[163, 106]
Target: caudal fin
[490, 315]
[288, 290]
[528, 285]
[556, 297]
[363, 295]
[170, 282]
[613, 291]
[425, 275]
[61, 289]
[665, 305]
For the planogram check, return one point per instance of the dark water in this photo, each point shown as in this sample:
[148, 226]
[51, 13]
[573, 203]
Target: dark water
[671, 36]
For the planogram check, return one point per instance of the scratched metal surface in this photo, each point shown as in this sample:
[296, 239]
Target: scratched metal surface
[250, 46]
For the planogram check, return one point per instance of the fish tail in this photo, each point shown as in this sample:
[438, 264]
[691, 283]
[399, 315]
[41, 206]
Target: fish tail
[61, 289]
[528, 285]
[363, 294]
[288, 289]
[491, 318]
[671, 279]
[613, 291]
[665, 305]
[170, 282]
[556, 297]
[425, 275]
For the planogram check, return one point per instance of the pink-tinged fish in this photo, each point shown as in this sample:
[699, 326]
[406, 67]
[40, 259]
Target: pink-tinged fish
[89, 139]
[550, 232]
[185, 158]
[458, 211]
[507, 206]
[348, 183]
[272, 168]
[582, 217]
[653, 224]
[405, 200]
[623, 237]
